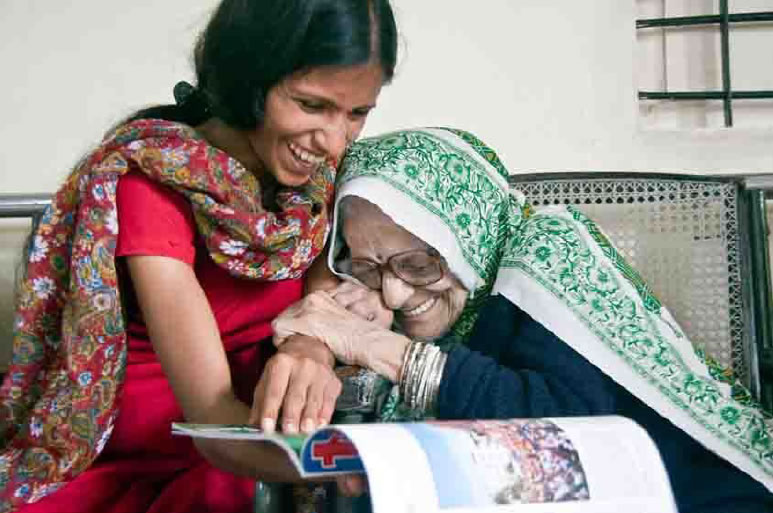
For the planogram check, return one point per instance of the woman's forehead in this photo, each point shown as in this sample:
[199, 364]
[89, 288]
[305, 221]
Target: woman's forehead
[346, 88]
[366, 228]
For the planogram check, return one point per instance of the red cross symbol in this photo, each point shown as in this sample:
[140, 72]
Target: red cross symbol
[337, 446]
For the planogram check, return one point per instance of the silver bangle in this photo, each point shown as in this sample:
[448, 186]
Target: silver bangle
[433, 380]
[412, 369]
[414, 374]
[436, 378]
[402, 378]
[420, 375]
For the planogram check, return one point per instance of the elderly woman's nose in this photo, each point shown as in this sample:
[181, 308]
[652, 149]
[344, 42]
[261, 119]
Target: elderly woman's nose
[394, 290]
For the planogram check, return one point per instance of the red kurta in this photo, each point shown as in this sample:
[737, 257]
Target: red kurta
[143, 468]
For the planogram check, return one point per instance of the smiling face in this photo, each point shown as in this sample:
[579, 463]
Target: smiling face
[310, 118]
[422, 312]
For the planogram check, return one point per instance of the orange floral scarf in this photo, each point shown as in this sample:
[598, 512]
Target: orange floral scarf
[57, 402]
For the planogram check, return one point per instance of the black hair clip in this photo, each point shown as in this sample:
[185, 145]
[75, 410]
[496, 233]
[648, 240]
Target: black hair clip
[192, 102]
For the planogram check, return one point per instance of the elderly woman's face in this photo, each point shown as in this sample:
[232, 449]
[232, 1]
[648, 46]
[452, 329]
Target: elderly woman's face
[422, 311]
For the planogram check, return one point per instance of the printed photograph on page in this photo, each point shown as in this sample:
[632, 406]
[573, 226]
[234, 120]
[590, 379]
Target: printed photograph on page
[485, 463]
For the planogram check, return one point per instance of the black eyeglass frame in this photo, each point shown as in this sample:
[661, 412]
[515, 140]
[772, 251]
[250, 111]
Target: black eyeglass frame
[393, 267]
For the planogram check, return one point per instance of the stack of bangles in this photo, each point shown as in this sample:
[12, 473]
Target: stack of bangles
[420, 375]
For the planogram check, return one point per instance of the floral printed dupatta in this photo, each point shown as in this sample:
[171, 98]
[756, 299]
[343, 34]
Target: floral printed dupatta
[57, 403]
[448, 188]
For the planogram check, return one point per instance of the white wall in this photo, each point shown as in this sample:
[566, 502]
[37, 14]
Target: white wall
[689, 59]
[71, 69]
[551, 84]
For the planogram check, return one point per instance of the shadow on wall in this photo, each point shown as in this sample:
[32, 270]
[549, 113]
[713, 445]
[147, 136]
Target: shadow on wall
[13, 233]
[769, 214]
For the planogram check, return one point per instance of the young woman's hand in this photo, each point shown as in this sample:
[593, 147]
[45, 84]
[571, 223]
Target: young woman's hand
[185, 337]
[298, 382]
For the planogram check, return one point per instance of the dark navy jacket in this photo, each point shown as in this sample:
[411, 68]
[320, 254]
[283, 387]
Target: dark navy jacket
[513, 367]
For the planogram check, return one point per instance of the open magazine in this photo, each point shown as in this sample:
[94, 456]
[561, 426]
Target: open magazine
[556, 465]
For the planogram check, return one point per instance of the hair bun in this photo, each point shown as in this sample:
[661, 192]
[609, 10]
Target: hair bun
[192, 102]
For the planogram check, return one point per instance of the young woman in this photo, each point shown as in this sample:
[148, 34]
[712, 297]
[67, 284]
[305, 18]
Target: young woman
[153, 278]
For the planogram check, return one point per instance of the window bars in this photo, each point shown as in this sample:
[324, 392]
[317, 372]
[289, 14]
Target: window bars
[723, 19]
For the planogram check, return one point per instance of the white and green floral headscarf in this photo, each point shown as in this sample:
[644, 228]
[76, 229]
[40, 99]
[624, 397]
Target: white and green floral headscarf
[450, 190]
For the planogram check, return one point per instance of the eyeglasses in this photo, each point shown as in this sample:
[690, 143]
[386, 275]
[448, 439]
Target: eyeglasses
[417, 267]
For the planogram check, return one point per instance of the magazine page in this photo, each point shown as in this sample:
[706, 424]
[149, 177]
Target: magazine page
[291, 444]
[621, 462]
[326, 452]
[578, 465]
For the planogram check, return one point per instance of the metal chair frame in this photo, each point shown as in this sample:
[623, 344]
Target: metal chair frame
[747, 242]
[734, 205]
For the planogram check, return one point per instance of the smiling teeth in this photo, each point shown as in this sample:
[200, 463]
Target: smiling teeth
[426, 305]
[305, 156]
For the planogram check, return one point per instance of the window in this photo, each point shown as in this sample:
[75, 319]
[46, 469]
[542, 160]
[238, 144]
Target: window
[705, 63]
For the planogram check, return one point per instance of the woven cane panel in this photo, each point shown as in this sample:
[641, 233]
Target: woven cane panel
[682, 237]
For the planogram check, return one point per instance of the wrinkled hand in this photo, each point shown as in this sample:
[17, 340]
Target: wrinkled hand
[366, 303]
[318, 315]
[352, 339]
[298, 380]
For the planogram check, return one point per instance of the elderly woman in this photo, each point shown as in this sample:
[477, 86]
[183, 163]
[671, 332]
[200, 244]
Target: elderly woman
[503, 311]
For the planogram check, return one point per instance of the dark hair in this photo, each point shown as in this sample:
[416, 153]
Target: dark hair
[251, 45]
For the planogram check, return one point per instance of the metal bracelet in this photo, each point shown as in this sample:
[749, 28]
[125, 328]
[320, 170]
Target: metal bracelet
[403, 380]
[420, 375]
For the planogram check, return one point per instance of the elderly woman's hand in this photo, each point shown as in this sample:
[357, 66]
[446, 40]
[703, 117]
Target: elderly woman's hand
[368, 304]
[352, 339]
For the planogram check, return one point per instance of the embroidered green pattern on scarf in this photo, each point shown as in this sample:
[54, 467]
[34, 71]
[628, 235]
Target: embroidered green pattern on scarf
[568, 266]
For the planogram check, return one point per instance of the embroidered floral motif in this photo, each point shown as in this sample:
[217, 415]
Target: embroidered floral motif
[57, 401]
[589, 281]
[451, 184]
